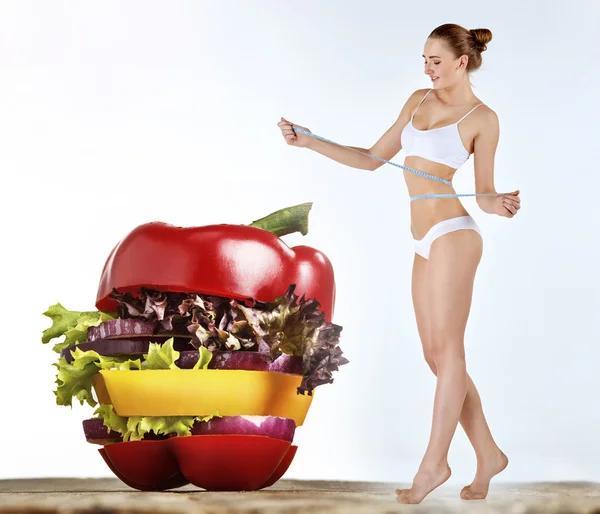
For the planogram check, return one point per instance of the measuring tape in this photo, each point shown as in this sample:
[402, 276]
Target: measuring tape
[426, 175]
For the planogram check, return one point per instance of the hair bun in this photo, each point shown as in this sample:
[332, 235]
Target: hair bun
[481, 38]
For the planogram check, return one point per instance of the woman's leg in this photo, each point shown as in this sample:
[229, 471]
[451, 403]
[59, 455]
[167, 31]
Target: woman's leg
[450, 275]
[490, 459]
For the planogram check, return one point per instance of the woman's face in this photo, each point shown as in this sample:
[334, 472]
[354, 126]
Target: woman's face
[440, 65]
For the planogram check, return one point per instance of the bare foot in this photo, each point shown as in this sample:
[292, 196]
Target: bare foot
[486, 470]
[424, 482]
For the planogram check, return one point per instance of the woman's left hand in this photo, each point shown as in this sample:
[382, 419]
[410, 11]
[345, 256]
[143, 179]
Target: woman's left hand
[507, 205]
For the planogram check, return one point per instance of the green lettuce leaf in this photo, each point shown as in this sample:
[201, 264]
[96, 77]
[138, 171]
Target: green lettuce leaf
[205, 358]
[136, 427]
[74, 380]
[111, 419]
[72, 324]
[161, 356]
[118, 362]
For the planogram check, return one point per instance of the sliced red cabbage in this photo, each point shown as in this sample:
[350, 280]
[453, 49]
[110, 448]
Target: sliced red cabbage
[269, 426]
[97, 433]
[133, 347]
[115, 328]
[246, 360]
[243, 360]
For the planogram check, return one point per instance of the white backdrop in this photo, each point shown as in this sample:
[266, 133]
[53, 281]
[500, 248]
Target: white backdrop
[118, 113]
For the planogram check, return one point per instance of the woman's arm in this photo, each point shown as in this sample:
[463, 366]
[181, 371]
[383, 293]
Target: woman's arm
[485, 145]
[385, 148]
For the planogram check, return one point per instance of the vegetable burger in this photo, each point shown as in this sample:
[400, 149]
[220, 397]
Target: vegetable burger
[203, 354]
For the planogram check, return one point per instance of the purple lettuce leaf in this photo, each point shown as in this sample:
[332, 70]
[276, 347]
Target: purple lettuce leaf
[287, 325]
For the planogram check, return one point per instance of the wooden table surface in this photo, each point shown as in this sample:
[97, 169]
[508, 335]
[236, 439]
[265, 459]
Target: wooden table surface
[108, 495]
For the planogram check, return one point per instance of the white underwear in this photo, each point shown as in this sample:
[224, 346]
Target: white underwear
[423, 246]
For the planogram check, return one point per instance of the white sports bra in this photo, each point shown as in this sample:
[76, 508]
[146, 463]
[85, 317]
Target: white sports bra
[441, 144]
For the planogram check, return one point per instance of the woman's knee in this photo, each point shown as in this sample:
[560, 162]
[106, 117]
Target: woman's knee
[429, 355]
[446, 351]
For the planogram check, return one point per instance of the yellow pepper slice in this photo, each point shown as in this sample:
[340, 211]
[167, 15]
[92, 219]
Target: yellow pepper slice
[193, 392]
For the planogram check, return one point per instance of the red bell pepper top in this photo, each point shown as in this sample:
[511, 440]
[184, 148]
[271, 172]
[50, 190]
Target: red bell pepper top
[234, 261]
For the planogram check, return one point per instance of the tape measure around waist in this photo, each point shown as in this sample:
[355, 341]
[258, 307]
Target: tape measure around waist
[417, 172]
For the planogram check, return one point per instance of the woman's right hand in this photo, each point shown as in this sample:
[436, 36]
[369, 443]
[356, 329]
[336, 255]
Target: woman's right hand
[292, 137]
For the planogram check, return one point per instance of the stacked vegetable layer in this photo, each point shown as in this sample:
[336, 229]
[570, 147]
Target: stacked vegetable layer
[196, 377]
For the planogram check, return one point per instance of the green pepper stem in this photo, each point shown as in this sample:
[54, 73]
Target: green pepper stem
[286, 221]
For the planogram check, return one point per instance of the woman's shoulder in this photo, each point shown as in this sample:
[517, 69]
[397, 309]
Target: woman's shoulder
[419, 94]
[484, 120]
[414, 99]
[485, 113]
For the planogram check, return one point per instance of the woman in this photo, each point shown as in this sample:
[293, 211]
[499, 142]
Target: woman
[439, 128]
